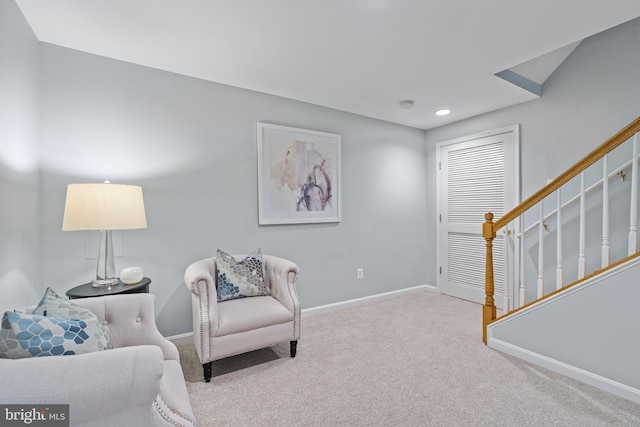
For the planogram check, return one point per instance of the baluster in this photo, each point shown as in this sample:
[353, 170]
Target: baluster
[582, 260]
[507, 298]
[559, 260]
[523, 292]
[605, 212]
[633, 214]
[541, 251]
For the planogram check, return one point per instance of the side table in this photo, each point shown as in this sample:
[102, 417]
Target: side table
[87, 291]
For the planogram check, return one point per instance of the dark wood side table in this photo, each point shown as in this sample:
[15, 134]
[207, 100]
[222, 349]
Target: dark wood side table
[87, 291]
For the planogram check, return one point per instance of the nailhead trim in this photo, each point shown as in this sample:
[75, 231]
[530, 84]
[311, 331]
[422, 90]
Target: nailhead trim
[168, 417]
[293, 294]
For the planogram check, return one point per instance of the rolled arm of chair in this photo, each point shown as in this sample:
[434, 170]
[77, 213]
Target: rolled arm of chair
[281, 275]
[199, 278]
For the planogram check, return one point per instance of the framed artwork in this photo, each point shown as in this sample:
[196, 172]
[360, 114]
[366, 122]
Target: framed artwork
[298, 175]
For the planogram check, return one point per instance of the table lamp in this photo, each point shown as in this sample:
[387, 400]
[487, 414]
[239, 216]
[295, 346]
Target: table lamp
[104, 207]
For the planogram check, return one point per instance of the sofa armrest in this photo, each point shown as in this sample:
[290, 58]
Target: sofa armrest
[130, 321]
[128, 380]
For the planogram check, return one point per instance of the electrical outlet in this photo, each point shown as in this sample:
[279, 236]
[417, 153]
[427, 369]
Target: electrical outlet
[360, 273]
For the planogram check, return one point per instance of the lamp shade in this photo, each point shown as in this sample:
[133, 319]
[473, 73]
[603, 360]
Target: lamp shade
[103, 207]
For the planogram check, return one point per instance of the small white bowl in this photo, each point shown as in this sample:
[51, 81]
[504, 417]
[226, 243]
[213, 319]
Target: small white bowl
[131, 275]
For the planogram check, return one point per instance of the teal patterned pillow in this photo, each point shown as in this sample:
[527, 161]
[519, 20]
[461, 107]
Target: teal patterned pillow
[239, 279]
[51, 336]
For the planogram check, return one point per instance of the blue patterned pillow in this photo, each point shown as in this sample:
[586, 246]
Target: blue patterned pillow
[10, 348]
[239, 279]
[54, 305]
[51, 336]
[60, 313]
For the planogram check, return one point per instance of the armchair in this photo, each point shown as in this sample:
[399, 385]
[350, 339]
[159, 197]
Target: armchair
[138, 382]
[228, 328]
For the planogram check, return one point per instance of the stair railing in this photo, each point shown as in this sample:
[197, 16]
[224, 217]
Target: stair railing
[490, 228]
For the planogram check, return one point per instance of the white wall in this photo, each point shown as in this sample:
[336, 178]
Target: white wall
[191, 144]
[19, 187]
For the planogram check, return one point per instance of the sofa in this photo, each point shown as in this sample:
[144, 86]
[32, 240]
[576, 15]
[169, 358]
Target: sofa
[139, 382]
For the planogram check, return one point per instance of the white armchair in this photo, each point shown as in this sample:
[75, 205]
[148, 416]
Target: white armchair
[227, 328]
[138, 382]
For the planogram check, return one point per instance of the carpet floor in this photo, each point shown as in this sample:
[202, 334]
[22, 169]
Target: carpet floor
[412, 360]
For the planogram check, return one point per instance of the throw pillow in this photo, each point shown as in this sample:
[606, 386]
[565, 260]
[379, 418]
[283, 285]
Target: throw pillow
[51, 336]
[54, 306]
[10, 348]
[240, 279]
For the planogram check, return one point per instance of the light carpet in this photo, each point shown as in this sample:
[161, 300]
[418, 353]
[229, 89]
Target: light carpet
[412, 360]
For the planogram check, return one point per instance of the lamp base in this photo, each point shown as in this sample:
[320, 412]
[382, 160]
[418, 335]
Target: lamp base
[101, 283]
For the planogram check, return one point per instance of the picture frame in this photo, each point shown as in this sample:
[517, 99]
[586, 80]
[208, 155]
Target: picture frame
[298, 175]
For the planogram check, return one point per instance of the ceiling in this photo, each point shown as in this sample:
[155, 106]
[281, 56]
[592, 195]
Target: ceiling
[359, 56]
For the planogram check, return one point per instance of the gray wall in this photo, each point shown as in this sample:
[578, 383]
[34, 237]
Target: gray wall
[591, 96]
[593, 329]
[191, 144]
[19, 190]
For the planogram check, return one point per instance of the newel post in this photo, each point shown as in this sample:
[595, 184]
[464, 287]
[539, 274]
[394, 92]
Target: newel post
[489, 308]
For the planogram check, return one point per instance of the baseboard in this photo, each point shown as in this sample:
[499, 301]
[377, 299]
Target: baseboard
[431, 288]
[187, 338]
[350, 303]
[570, 371]
[182, 339]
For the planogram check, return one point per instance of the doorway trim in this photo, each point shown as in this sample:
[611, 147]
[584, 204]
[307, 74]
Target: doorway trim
[510, 275]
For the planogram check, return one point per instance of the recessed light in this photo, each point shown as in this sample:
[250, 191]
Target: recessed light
[406, 104]
[443, 112]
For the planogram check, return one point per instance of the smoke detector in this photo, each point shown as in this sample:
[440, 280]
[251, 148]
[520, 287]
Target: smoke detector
[406, 104]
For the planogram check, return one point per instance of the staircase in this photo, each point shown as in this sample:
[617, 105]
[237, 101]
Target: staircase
[576, 303]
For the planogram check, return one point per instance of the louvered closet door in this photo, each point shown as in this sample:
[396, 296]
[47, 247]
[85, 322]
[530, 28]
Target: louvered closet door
[476, 176]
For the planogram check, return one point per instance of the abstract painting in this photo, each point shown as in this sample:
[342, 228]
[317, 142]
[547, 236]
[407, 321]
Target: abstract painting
[298, 175]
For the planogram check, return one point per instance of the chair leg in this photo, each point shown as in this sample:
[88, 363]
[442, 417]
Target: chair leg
[294, 348]
[207, 371]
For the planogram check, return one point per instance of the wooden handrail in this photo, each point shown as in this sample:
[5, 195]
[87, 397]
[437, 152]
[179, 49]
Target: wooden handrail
[608, 146]
[576, 198]
[490, 228]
